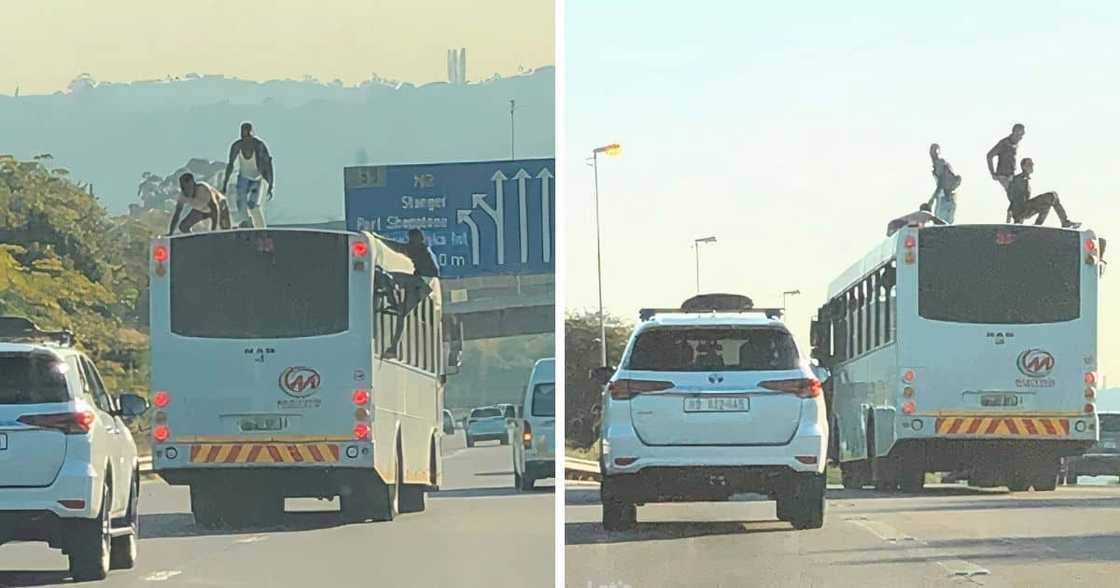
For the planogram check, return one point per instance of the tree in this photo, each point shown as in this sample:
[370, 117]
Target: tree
[581, 355]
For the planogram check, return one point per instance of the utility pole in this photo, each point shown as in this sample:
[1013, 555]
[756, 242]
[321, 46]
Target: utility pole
[512, 130]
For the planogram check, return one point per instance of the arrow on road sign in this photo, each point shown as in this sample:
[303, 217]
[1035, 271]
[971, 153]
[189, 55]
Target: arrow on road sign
[465, 217]
[497, 213]
[546, 221]
[521, 176]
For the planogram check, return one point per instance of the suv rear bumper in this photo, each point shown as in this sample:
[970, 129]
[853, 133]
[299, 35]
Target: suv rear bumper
[74, 482]
[809, 442]
[697, 483]
[538, 469]
[35, 525]
[1094, 464]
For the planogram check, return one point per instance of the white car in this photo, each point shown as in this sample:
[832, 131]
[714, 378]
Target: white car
[69, 471]
[711, 400]
[534, 455]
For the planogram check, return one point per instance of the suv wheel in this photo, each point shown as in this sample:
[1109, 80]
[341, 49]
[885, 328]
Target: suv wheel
[123, 549]
[470, 442]
[526, 482]
[619, 516]
[806, 501]
[92, 544]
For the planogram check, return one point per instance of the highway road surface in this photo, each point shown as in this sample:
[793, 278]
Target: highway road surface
[946, 536]
[478, 531]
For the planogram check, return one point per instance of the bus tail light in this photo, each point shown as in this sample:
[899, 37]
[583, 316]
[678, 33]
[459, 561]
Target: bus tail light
[160, 253]
[908, 407]
[909, 376]
[1090, 379]
[72, 423]
[1089, 408]
[801, 387]
[627, 389]
[360, 397]
[908, 392]
[527, 436]
[359, 249]
[1090, 394]
[161, 433]
[161, 399]
[361, 431]
[1090, 246]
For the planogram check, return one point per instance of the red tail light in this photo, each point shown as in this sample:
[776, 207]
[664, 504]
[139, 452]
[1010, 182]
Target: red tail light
[908, 376]
[161, 399]
[807, 459]
[73, 504]
[161, 433]
[624, 461]
[71, 423]
[527, 436]
[1090, 378]
[1090, 246]
[1089, 408]
[910, 241]
[159, 253]
[361, 431]
[360, 396]
[803, 387]
[359, 249]
[908, 407]
[627, 389]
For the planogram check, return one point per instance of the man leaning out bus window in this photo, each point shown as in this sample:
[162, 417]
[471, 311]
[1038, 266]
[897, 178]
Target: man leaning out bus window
[416, 285]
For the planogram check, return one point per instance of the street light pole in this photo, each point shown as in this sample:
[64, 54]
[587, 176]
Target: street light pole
[612, 149]
[696, 244]
[788, 293]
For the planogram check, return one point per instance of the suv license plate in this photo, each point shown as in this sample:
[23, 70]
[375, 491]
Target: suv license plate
[3, 441]
[717, 404]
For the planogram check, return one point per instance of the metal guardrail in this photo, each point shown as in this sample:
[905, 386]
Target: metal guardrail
[581, 469]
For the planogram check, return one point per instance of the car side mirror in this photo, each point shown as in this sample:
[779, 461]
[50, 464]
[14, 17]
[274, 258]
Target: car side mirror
[601, 375]
[132, 405]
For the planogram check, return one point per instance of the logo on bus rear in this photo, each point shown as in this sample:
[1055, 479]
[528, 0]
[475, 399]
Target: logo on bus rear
[1036, 363]
[299, 382]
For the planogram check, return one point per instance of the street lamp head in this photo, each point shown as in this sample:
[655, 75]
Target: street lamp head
[792, 292]
[612, 149]
[706, 240]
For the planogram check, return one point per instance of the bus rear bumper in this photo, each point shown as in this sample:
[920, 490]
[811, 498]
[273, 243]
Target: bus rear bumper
[256, 456]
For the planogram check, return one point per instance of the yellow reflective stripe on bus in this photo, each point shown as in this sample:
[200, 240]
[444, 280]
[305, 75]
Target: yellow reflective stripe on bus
[1014, 426]
[287, 453]
[259, 439]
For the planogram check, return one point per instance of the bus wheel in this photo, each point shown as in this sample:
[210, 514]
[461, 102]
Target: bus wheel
[1046, 480]
[205, 507]
[1018, 483]
[368, 499]
[913, 481]
[853, 474]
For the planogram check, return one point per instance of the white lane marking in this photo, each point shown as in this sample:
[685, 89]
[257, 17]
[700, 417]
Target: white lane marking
[162, 576]
[960, 567]
[253, 539]
[882, 530]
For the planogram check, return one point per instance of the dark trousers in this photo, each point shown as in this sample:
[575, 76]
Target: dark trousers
[415, 290]
[194, 217]
[1041, 206]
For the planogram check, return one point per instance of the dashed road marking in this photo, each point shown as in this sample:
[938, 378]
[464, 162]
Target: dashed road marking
[912, 545]
[960, 567]
[253, 539]
[162, 576]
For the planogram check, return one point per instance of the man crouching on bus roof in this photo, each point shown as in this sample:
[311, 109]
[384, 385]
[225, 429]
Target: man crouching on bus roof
[204, 201]
[914, 219]
[1024, 207]
[415, 285]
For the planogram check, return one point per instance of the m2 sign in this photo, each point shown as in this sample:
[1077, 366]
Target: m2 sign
[480, 218]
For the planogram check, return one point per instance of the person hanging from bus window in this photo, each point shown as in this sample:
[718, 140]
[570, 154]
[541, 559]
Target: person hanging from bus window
[205, 202]
[254, 163]
[1023, 206]
[914, 219]
[947, 182]
[416, 285]
[1005, 151]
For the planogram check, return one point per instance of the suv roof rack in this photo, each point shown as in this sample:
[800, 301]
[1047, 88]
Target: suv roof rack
[18, 329]
[733, 303]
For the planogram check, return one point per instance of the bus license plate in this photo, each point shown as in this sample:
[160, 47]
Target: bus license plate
[3, 441]
[716, 404]
[1001, 400]
[263, 423]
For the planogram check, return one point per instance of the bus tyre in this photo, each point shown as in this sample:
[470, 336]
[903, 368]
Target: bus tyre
[619, 515]
[205, 508]
[1046, 481]
[124, 549]
[1018, 483]
[806, 503]
[91, 545]
[886, 485]
[412, 498]
[913, 481]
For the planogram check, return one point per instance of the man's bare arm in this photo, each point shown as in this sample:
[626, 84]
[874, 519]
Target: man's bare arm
[229, 166]
[992, 153]
[175, 218]
[213, 213]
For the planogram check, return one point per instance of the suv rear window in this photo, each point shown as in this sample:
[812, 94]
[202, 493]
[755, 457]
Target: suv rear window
[702, 349]
[544, 400]
[32, 379]
[485, 413]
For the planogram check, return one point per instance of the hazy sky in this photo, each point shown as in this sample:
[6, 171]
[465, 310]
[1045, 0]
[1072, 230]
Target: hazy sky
[50, 42]
[793, 136]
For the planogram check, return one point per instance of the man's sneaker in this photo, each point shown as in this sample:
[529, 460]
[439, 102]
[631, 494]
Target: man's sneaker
[1071, 225]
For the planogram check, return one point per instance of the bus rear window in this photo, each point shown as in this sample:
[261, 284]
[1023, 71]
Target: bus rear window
[999, 275]
[544, 400]
[701, 349]
[259, 284]
[32, 379]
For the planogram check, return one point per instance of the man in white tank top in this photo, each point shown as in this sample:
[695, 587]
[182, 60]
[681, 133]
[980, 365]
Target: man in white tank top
[205, 203]
[254, 163]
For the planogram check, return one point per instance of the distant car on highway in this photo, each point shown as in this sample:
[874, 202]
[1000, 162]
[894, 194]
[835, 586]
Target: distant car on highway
[486, 424]
[712, 399]
[534, 433]
[69, 472]
[1103, 458]
[448, 422]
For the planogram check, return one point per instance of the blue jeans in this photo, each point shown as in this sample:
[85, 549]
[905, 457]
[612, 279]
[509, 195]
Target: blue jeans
[946, 206]
[248, 193]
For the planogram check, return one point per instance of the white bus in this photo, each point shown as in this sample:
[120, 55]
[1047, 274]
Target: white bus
[269, 379]
[969, 349]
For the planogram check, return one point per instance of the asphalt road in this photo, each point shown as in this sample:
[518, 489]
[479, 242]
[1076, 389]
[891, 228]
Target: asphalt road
[946, 536]
[477, 531]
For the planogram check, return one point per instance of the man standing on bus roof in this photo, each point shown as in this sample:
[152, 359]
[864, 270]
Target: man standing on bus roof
[416, 285]
[1024, 207]
[1005, 151]
[204, 201]
[914, 219]
[254, 163]
[947, 182]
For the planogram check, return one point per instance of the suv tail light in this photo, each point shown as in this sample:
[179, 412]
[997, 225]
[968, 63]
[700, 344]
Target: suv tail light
[627, 389]
[71, 423]
[527, 436]
[802, 387]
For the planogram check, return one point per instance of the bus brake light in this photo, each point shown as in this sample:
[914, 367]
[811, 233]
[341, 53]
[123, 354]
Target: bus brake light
[1090, 378]
[161, 433]
[1090, 246]
[359, 249]
[910, 242]
[908, 407]
[159, 253]
[361, 397]
[361, 431]
[161, 399]
[1089, 408]
[908, 376]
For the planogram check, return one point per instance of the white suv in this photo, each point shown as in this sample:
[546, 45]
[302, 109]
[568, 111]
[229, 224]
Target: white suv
[711, 400]
[68, 466]
[534, 455]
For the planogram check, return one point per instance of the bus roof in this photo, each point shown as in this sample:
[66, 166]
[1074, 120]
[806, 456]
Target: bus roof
[883, 252]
